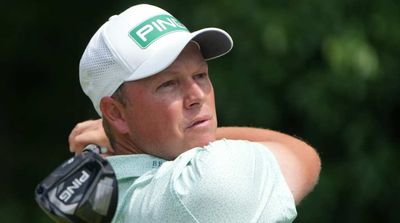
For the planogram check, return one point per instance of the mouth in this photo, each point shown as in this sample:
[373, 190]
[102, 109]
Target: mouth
[199, 122]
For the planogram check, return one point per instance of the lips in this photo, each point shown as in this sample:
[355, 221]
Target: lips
[199, 121]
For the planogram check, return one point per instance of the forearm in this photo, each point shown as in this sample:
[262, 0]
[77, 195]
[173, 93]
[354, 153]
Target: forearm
[291, 143]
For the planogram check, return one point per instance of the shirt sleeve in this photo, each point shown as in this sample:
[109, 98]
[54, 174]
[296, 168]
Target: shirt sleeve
[226, 181]
[234, 181]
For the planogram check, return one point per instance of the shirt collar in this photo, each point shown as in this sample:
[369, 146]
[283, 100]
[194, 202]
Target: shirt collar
[135, 165]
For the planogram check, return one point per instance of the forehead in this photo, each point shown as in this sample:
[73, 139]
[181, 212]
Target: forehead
[190, 60]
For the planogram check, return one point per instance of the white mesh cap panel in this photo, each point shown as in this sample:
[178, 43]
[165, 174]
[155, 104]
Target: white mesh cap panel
[99, 69]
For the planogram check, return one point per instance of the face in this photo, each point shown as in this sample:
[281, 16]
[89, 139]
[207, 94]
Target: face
[174, 110]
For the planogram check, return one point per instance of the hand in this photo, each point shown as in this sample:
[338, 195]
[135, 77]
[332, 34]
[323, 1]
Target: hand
[88, 132]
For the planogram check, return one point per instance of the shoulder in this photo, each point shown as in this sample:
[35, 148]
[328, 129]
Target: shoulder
[235, 178]
[230, 160]
[234, 147]
[225, 181]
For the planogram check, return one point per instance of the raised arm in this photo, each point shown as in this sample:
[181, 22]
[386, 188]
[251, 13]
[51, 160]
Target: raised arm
[299, 162]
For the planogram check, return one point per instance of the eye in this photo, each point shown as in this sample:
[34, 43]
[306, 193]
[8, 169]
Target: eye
[166, 84]
[200, 76]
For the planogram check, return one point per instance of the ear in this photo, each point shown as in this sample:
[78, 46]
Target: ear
[113, 111]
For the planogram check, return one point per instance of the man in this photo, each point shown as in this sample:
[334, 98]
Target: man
[147, 76]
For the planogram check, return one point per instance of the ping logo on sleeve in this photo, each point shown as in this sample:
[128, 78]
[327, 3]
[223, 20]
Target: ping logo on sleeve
[152, 29]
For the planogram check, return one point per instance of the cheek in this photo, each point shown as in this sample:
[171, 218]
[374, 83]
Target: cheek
[159, 118]
[169, 114]
[211, 99]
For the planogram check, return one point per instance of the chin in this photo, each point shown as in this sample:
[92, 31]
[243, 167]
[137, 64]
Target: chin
[203, 142]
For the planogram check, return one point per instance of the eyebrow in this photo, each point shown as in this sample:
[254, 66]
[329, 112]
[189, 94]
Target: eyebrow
[203, 65]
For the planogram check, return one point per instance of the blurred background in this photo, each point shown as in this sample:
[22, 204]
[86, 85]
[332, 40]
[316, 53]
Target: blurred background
[324, 71]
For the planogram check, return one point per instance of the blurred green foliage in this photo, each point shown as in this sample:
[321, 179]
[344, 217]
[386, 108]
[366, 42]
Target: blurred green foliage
[324, 71]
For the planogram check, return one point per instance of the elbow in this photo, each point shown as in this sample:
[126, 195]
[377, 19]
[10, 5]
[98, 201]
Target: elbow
[311, 171]
[314, 168]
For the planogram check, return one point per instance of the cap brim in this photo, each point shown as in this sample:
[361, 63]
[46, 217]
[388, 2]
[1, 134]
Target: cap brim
[213, 43]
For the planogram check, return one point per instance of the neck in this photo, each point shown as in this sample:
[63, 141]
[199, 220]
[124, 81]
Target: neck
[123, 146]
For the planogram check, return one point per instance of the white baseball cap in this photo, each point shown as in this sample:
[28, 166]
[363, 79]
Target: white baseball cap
[138, 43]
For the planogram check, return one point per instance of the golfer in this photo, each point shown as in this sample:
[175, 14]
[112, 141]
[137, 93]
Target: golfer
[147, 77]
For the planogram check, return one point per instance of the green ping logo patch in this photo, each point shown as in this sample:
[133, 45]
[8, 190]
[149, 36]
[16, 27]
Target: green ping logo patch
[154, 28]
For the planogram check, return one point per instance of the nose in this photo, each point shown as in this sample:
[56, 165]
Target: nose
[193, 95]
